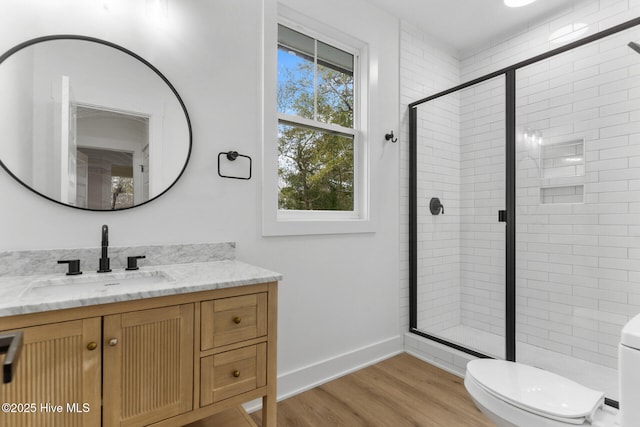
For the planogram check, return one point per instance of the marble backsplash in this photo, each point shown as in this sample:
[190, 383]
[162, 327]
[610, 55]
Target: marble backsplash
[23, 263]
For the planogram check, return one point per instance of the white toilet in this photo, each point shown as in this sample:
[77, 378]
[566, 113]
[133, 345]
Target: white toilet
[514, 394]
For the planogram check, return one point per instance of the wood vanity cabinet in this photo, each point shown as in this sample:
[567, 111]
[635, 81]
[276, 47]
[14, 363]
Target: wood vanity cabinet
[58, 366]
[148, 365]
[166, 361]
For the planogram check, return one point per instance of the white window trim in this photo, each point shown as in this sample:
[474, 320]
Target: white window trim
[277, 222]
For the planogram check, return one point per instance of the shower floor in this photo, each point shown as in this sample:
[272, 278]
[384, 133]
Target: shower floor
[590, 374]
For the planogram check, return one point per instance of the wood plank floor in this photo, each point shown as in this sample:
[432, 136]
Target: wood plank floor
[398, 392]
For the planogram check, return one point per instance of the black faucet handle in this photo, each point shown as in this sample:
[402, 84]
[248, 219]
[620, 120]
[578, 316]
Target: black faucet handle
[132, 262]
[436, 207]
[74, 266]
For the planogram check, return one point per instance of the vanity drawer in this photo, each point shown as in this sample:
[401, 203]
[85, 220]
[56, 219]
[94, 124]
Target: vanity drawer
[231, 373]
[230, 320]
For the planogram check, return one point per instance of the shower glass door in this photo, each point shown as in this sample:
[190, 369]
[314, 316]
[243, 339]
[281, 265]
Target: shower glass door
[460, 165]
[578, 208]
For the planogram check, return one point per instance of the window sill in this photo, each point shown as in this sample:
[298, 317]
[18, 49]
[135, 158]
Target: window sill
[308, 226]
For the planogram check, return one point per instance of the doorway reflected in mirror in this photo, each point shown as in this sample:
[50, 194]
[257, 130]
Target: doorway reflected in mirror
[112, 167]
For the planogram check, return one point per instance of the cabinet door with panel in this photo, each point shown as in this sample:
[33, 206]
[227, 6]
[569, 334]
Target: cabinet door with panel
[58, 377]
[148, 365]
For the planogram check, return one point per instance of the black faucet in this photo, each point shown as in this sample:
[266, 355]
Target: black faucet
[104, 260]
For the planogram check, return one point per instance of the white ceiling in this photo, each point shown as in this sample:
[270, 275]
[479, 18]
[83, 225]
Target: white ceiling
[464, 24]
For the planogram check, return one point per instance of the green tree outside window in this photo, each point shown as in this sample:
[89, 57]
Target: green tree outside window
[315, 161]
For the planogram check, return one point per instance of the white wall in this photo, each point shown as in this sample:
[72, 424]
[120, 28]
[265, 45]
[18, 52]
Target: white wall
[337, 301]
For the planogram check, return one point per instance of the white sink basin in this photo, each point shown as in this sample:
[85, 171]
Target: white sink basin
[92, 281]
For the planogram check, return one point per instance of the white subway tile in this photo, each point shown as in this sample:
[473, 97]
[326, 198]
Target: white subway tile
[614, 307]
[587, 313]
[600, 294]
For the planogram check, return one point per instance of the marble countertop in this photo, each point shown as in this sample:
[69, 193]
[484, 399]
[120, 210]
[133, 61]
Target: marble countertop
[37, 293]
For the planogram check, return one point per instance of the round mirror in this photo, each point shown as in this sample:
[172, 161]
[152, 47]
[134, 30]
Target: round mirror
[89, 124]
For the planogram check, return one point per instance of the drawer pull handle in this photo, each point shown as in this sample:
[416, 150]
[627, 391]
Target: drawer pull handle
[236, 373]
[92, 346]
[113, 342]
[237, 320]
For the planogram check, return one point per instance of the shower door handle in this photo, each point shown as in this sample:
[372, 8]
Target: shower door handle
[502, 216]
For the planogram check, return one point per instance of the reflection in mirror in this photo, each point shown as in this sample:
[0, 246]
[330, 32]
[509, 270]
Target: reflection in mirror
[112, 169]
[90, 124]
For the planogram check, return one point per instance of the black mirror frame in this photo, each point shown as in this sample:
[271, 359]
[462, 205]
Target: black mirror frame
[37, 40]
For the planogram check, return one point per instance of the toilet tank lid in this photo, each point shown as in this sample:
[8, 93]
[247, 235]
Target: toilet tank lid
[631, 333]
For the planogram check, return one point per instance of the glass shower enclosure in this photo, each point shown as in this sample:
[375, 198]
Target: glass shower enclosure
[525, 209]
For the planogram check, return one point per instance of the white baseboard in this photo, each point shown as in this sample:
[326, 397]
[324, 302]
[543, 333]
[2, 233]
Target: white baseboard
[310, 376]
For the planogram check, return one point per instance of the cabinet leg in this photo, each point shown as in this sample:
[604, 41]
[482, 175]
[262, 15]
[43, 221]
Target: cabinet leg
[269, 405]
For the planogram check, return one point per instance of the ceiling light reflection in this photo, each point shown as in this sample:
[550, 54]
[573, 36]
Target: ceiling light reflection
[517, 3]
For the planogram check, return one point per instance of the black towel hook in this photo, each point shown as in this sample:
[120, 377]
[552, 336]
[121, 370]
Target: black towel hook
[389, 136]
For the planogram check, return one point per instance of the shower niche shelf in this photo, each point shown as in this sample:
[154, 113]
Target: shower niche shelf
[562, 159]
[562, 170]
[562, 194]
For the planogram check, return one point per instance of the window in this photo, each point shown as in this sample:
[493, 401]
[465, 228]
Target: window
[316, 171]
[121, 191]
[317, 126]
